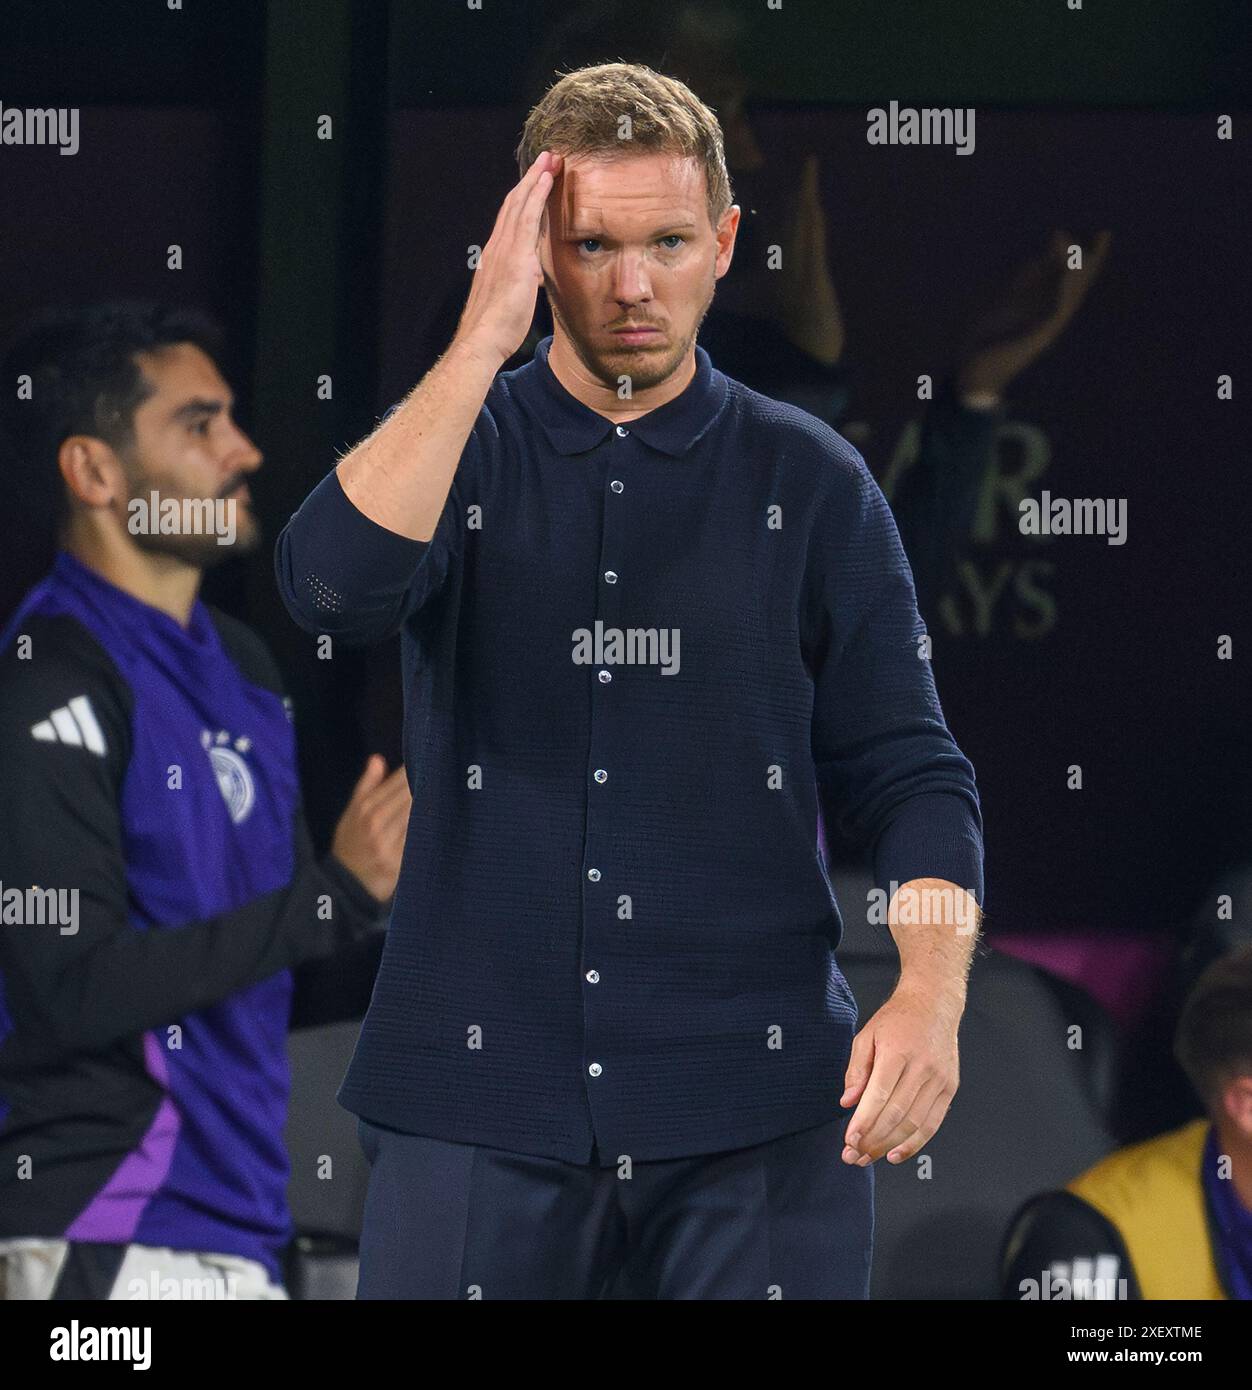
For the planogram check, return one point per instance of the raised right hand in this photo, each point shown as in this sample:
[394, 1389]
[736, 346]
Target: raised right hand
[501, 304]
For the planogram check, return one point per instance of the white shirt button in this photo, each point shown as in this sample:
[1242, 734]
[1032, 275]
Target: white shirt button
[600, 775]
[595, 1069]
[605, 677]
[622, 431]
[593, 977]
[610, 576]
[616, 485]
[594, 875]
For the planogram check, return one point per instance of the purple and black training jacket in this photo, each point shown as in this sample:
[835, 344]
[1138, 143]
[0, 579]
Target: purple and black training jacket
[150, 783]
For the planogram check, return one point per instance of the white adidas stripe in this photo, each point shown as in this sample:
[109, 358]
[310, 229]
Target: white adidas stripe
[75, 724]
[66, 726]
[80, 707]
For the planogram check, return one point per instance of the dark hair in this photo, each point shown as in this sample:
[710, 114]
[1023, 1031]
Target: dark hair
[1213, 1041]
[84, 379]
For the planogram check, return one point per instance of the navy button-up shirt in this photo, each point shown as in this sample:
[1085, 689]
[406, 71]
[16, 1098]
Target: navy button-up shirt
[637, 660]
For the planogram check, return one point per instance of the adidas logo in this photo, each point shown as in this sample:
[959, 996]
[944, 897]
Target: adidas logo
[75, 724]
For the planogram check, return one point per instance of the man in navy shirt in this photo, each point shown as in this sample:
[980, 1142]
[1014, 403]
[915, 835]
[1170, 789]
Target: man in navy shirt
[652, 622]
[164, 917]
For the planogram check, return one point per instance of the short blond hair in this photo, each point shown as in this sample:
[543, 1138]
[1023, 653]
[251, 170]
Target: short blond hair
[581, 113]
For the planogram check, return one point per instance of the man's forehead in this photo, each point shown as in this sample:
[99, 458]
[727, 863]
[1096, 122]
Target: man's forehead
[591, 186]
[181, 370]
[177, 365]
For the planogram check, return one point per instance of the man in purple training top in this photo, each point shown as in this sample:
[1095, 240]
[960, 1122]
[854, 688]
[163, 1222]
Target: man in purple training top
[159, 899]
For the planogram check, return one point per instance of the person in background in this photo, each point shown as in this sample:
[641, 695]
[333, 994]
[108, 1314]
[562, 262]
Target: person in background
[162, 903]
[1170, 1217]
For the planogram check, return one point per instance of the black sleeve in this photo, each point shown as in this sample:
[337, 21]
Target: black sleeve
[341, 574]
[329, 989]
[1058, 1236]
[81, 987]
[337, 990]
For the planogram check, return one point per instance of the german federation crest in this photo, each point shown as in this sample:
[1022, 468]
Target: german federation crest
[234, 776]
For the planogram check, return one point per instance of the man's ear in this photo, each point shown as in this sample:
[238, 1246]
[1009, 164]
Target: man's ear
[90, 470]
[725, 232]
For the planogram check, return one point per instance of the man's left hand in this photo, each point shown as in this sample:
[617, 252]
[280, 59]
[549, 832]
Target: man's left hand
[904, 1071]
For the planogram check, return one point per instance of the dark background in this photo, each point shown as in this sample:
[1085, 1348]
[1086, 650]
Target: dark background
[342, 257]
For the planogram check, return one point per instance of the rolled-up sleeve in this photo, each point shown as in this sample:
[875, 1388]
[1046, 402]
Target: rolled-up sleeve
[341, 573]
[889, 774]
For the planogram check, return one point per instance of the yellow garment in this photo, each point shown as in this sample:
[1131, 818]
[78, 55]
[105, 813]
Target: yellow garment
[1153, 1193]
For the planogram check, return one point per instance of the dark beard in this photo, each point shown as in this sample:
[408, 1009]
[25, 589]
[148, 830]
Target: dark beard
[199, 549]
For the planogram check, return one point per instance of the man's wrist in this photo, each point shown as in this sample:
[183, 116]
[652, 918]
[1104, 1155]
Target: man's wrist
[352, 885]
[935, 925]
[934, 983]
[475, 350]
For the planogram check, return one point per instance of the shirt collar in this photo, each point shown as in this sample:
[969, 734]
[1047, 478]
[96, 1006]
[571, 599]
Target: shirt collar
[574, 428]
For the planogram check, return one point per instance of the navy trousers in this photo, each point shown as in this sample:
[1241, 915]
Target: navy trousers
[783, 1219]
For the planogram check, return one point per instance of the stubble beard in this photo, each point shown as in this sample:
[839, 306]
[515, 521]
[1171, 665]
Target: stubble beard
[200, 550]
[644, 366]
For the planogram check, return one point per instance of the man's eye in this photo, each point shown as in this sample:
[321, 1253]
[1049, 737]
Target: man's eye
[589, 241]
[673, 236]
[201, 427]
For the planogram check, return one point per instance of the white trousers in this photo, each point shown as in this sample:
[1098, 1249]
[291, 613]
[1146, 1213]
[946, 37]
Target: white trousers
[29, 1269]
